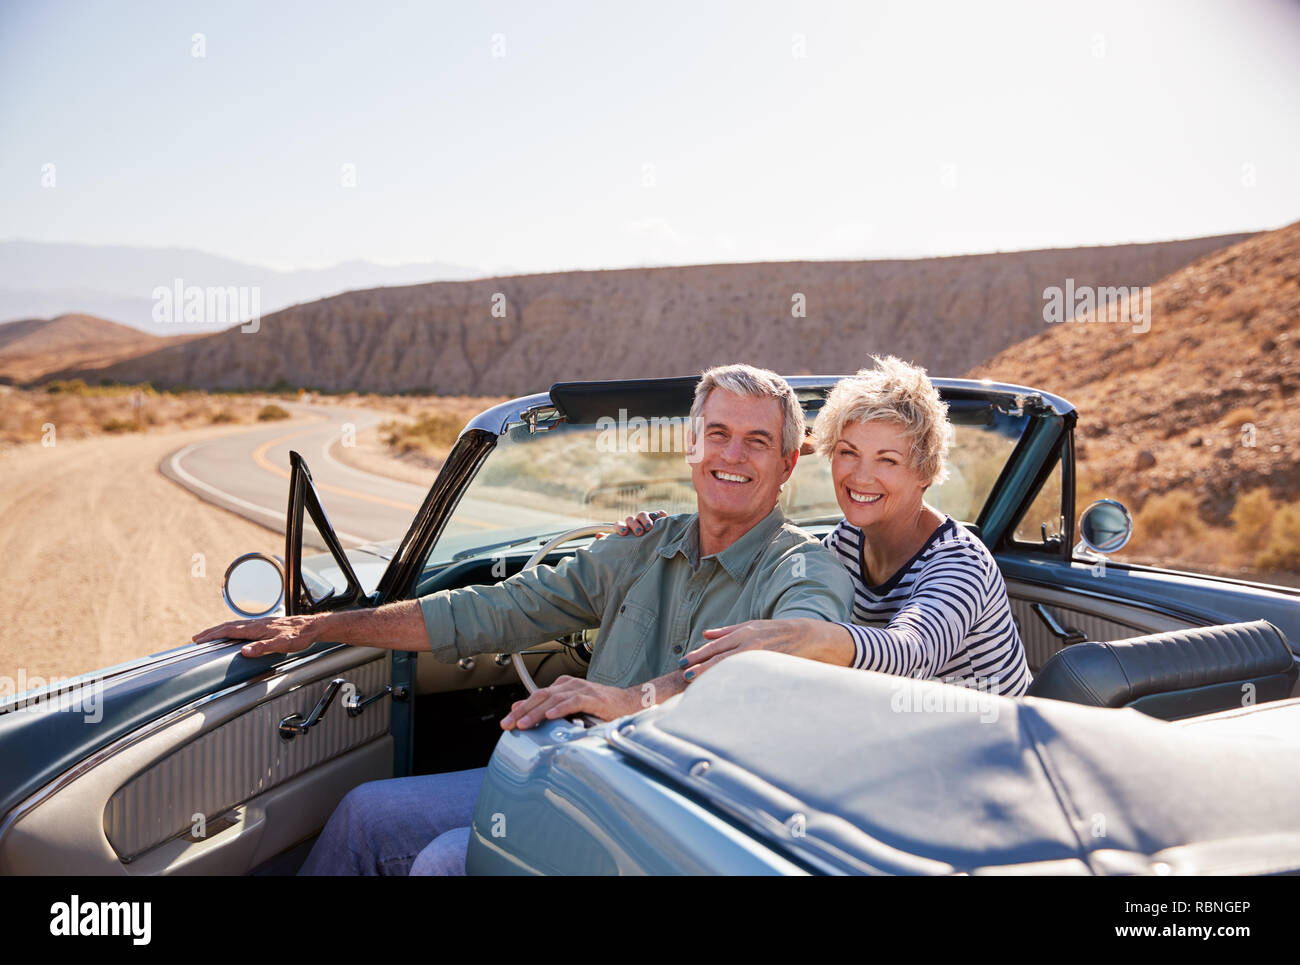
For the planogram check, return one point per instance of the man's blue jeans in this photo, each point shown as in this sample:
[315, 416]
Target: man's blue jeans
[407, 825]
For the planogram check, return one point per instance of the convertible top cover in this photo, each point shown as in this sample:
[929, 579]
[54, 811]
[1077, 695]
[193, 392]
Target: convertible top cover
[856, 771]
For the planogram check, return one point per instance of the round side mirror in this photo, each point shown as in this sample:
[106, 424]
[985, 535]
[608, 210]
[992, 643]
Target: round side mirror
[254, 585]
[1105, 526]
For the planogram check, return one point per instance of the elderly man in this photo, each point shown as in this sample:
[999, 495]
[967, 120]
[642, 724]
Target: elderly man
[736, 559]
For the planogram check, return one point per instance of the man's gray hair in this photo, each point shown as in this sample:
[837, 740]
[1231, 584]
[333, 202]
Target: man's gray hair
[741, 379]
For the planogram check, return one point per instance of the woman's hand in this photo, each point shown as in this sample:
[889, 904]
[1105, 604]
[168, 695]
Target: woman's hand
[803, 637]
[640, 523]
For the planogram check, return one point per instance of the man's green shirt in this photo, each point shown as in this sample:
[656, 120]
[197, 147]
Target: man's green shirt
[652, 597]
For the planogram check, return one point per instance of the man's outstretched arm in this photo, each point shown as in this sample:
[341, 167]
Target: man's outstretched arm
[528, 608]
[394, 626]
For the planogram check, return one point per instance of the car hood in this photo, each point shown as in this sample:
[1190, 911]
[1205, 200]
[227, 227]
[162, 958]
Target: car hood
[368, 561]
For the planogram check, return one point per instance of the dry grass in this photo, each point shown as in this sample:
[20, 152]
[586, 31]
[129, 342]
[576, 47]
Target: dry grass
[75, 410]
[1252, 519]
[432, 425]
[432, 433]
[1283, 549]
[1260, 539]
[271, 412]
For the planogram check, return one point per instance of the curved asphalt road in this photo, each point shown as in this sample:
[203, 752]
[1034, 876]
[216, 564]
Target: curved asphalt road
[248, 473]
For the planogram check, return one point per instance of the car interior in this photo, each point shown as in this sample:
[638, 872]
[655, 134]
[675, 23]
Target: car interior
[227, 785]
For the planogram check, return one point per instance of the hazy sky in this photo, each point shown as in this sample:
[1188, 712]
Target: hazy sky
[539, 136]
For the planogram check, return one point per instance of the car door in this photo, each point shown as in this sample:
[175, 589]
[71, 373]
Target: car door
[1062, 594]
[198, 760]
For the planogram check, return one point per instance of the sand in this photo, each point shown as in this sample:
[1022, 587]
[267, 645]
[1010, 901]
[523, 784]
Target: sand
[104, 559]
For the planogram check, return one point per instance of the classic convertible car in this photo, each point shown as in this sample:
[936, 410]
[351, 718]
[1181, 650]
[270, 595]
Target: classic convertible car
[1160, 734]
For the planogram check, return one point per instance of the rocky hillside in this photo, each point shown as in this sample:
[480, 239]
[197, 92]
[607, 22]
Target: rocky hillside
[1206, 397]
[1187, 418]
[33, 348]
[945, 313]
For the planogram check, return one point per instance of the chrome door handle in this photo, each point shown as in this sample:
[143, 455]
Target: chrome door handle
[354, 703]
[293, 725]
[1067, 635]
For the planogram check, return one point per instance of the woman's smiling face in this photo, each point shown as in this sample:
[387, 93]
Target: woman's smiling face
[873, 475]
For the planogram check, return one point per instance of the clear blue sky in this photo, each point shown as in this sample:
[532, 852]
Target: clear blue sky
[615, 134]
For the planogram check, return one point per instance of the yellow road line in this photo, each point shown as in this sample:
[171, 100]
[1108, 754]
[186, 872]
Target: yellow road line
[259, 457]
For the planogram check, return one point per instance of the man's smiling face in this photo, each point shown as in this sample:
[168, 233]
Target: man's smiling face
[736, 463]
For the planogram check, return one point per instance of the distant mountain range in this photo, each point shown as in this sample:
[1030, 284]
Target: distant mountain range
[506, 336]
[43, 280]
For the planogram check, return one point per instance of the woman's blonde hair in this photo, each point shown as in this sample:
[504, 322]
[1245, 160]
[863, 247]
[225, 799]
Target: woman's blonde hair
[897, 392]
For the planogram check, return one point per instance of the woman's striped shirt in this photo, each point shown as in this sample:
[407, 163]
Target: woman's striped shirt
[943, 615]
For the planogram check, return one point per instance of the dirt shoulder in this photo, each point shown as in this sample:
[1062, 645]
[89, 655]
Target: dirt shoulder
[105, 559]
[371, 454]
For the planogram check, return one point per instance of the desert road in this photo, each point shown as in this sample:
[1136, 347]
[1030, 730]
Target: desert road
[248, 473]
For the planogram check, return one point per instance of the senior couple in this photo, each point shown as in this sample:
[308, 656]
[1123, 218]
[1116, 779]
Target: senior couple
[896, 587]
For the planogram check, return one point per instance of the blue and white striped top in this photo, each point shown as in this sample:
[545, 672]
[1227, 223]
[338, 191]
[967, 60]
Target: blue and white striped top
[944, 615]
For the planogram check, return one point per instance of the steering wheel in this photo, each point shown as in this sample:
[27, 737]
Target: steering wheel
[598, 528]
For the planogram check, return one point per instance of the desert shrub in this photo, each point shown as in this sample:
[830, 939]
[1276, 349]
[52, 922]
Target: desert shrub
[432, 432]
[270, 413]
[1283, 549]
[105, 389]
[222, 416]
[1239, 417]
[1169, 514]
[119, 425]
[1251, 519]
[66, 387]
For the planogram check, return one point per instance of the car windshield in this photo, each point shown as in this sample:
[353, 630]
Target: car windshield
[558, 478]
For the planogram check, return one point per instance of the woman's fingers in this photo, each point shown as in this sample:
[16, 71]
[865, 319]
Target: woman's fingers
[640, 523]
[711, 649]
[719, 632]
[693, 674]
[725, 641]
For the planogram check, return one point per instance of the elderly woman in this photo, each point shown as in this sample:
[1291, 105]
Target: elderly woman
[929, 600]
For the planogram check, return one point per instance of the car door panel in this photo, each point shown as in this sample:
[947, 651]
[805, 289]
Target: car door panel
[219, 765]
[1118, 601]
[1096, 617]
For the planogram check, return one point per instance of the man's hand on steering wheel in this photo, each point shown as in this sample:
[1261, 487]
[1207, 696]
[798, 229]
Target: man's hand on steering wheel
[568, 696]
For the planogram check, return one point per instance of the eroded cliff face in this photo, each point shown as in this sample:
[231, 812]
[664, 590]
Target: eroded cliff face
[1202, 402]
[947, 314]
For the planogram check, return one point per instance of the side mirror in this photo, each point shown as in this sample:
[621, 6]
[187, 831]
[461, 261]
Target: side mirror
[1104, 527]
[254, 585]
